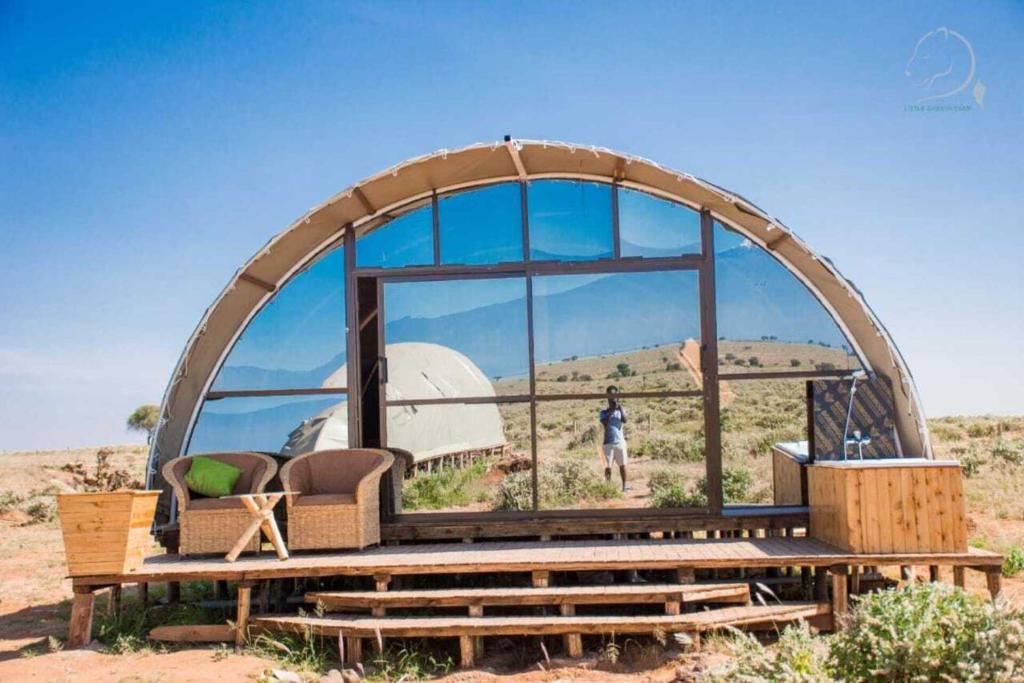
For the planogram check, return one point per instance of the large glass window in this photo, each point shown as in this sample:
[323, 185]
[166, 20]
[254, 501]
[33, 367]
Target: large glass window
[569, 220]
[456, 338]
[289, 425]
[481, 226]
[638, 331]
[405, 241]
[768, 321]
[663, 452]
[652, 227]
[297, 340]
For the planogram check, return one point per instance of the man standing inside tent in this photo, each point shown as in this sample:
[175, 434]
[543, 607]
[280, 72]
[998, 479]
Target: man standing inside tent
[614, 449]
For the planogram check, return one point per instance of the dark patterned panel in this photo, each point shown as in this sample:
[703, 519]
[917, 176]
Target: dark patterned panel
[872, 415]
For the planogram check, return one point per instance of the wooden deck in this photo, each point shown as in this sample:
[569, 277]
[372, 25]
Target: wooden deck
[830, 566]
[550, 556]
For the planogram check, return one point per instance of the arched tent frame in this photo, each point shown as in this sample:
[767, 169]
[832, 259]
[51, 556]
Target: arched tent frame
[381, 197]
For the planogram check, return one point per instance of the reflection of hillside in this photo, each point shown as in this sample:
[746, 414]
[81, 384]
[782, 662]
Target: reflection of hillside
[756, 297]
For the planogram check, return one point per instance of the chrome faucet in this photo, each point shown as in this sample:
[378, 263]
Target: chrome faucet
[859, 441]
[859, 374]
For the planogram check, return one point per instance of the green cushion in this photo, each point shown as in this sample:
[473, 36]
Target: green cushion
[211, 477]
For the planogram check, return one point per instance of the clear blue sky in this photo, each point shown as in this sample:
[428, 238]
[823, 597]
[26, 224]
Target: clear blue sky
[148, 149]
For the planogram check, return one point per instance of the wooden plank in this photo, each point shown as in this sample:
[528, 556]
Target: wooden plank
[80, 623]
[573, 642]
[958, 576]
[576, 595]
[957, 509]
[417, 627]
[531, 556]
[197, 633]
[242, 615]
[910, 534]
[869, 510]
[840, 587]
[921, 514]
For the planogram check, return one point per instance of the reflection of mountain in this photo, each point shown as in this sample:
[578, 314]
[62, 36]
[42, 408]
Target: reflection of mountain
[620, 312]
[251, 377]
[259, 430]
[756, 297]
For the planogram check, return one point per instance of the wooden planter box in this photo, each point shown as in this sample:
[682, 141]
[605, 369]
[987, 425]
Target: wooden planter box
[908, 505]
[106, 533]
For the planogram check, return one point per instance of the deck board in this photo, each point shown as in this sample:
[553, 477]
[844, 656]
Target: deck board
[361, 626]
[450, 558]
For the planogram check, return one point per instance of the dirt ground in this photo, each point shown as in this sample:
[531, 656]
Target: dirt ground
[34, 602]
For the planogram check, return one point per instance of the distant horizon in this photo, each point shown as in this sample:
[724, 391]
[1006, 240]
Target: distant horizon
[152, 150]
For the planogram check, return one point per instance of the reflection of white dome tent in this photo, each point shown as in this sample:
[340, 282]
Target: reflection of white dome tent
[415, 371]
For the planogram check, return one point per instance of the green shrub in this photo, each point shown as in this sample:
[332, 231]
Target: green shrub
[1009, 452]
[562, 484]
[676, 496]
[736, 484]
[418, 662]
[979, 430]
[929, 632]
[661, 479]
[446, 487]
[797, 657]
[41, 511]
[9, 500]
[673, 449]
[1013, 563]
[515, 492]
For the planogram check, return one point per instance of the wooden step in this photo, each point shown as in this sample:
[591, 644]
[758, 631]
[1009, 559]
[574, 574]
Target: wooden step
[561, 595]
[445, 626]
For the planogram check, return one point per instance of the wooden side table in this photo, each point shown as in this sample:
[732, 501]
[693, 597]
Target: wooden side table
[261, 507]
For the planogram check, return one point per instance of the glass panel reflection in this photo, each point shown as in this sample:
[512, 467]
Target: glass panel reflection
[569, 220]
[406, 241]
[662, 447]
[756, 415]
[289, 425]
[767, 319]
[468, 457]
[652, 227]
[638, 331]
[481, 226]
[456, 338]
[297, 340]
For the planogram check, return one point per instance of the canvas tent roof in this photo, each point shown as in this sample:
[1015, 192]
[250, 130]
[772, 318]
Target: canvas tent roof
[422, 371]
[371, 201]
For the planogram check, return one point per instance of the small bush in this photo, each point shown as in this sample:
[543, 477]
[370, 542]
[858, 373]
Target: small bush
[410, 663]
[447, 487]
[673, 449]
[661, 479]
[1009, 452]
[794, 362]
[825, 366]
[971, 463]
[978, 430]
[1013, 563]
[673, 367]
[563, 484]
[9, 500]
[41, 511]
[676, 496]
[929, 632]
[797, 657]
[515, 492]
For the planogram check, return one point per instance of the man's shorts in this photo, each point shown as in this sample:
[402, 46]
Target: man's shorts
[614, 452]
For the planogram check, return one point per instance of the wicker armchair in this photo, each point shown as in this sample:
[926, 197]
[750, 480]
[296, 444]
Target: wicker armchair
[214, 525]
[336, 503]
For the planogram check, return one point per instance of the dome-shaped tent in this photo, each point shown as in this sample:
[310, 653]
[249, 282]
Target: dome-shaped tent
[423, 371]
